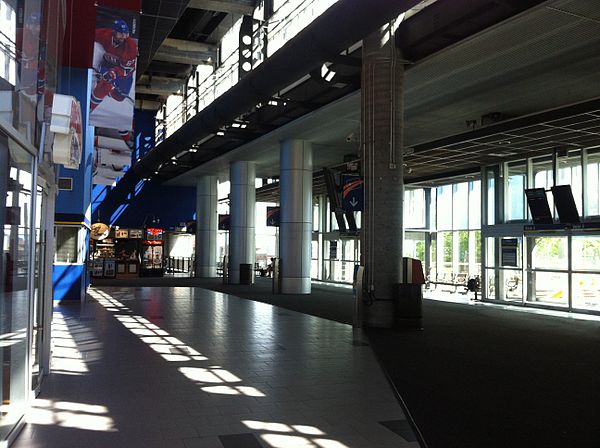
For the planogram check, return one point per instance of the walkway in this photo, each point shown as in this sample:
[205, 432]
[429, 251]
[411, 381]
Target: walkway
[480, 375]
[186, 367]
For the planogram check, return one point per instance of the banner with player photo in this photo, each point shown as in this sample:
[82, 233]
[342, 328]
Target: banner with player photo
[115, 58]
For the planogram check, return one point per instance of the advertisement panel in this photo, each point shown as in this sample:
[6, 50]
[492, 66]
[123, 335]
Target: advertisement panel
[114, 65]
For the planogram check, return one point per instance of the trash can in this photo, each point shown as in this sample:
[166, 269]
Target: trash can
[245, 274]
[408, 297]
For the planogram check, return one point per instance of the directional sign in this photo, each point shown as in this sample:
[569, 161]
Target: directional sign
[272, 216]
[224, 222]
[353, 193]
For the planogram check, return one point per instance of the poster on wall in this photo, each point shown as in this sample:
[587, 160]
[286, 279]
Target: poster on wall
[115, 57]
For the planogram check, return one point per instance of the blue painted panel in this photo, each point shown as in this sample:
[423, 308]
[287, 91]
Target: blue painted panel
[77, 82]
[69, 281]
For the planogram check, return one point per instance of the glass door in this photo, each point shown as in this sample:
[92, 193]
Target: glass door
[38, 292]
[16, 182]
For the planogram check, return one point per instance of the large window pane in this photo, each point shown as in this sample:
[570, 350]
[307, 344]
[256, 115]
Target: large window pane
[592, 187]
[414, 209]
[550, 288]
[515, 196]
[586, 253]
[543, 177]
[460, 207]
[491, 197]
[586, 291]
[569, 173]
[549, 253]
[475, 205]
[66, 244]
[15, 203]
[444, 210]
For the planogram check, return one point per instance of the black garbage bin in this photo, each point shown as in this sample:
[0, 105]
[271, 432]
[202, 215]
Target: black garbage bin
[245, 274]
[408, 296]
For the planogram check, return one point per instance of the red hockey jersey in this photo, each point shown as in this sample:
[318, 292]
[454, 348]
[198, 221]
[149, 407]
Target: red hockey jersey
[120, 58]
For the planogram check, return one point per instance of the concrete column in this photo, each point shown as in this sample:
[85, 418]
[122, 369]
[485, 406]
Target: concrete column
[382, 134]
[242, 247]
[295, 187]
[206, 226]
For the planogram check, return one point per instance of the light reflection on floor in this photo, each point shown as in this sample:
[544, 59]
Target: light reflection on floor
[215, 379]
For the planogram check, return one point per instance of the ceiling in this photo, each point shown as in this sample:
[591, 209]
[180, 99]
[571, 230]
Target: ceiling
[190, 26]
[543, 59]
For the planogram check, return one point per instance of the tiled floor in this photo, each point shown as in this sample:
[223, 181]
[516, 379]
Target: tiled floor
[187, 367]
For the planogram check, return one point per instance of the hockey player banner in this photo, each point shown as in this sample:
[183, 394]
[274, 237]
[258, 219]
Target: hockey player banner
[115, 57]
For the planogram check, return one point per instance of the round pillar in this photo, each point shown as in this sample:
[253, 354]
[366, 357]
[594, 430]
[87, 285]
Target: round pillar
[206, 226]
[242, 248]
[295, 229]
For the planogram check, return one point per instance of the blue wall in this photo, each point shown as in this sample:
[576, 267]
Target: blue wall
[75, 82]
[172, 205]
[70, 281]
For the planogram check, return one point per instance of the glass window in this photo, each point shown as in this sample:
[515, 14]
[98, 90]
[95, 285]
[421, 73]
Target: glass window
[491, 197]
[586, 253]
[543, 177]
[586, 291]
[551, 288]
[549, 252]
[66, 244]
[433, 208]
[414, 208]
[460, 205]
[592, 187]
[463, 251]
[15, 203]
[475, 205]
[414, 245]
[515, 192]
[569, 173]
[444, 211]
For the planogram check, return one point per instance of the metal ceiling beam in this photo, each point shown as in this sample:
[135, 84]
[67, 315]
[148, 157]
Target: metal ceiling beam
[144, 104]
[244, 7]
[159, 85]
[186, 52]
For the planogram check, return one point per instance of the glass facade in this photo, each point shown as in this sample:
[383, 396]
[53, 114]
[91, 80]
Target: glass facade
[556, 266]
[16, 185]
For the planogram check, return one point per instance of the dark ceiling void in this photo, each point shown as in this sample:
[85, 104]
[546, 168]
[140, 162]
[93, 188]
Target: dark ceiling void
[197, 24]
[158, 18]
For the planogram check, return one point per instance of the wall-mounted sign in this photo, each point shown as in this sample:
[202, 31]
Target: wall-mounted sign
[273, 214]
[66, 126]
[122, 233]
[99, 231]
[224, 222]
[136, 233]
[154, 234]
[509, 252]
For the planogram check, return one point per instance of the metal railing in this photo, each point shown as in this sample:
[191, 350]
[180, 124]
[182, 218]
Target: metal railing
[285, 23]
[179, 265]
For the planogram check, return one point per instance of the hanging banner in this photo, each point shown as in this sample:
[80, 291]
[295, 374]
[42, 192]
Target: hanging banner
[114, 65]
[272, 216]
[353, 193]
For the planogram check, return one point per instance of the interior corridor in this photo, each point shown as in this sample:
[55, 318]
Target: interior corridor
[187, 367]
